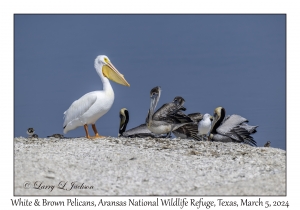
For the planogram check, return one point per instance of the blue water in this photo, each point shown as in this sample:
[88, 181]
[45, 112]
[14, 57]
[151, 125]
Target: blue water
[234, 61]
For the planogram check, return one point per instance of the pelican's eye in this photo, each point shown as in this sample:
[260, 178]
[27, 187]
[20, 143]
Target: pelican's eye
[106, 60]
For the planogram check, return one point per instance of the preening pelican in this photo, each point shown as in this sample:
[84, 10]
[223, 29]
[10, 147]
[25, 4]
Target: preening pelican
[139, 131]
[93, 105]
[179, 101]
[188, 131]
[166, 118]
[233, 128]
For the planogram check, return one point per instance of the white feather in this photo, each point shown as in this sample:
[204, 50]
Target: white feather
[204, 125]
[88, 109]
[93, 105]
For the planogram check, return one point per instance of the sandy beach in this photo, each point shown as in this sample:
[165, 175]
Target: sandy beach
[124, 166]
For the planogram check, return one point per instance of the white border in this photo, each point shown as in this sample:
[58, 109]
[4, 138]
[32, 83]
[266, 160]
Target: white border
[9, 8]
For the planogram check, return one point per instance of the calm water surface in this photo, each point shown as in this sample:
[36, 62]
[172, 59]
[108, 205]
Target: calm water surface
[234, 61]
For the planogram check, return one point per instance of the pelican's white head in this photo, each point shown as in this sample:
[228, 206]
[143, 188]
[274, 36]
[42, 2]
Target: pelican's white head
[101, 60]
[104, 66]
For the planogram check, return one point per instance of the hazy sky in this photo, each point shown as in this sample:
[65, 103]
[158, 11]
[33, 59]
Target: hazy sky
[234, 61]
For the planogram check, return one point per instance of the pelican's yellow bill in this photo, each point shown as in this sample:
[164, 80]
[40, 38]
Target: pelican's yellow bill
[113, 74]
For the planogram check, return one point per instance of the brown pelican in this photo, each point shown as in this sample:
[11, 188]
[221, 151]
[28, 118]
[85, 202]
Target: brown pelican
[166, 118]
[268, 144]
[93, 105]
[232, 128]
[204, 126]
[58, 136]
[188, 131]
[140, 131]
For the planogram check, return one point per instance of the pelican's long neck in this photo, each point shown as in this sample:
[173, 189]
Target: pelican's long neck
[218, 122]
[153, 105]
[106, 84]
[149, 118]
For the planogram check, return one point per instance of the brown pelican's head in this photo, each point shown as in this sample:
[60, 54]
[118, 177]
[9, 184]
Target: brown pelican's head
[124, 118]
[154, 92]
[179, 101]
[218, 117]
[154, 97]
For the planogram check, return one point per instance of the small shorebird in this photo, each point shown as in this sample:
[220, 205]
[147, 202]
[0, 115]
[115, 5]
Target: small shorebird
[34, 136]
[268, 144]
[30, 132]
[204, 126]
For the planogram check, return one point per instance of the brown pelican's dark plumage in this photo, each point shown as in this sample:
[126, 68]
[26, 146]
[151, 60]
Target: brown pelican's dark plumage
[179, 101]
[232, 128]
[188, 131]
[196, 117]
[139, 131]
[166, 118]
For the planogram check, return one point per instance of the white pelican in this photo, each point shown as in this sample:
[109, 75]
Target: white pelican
[93, 105]
[232, 128]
